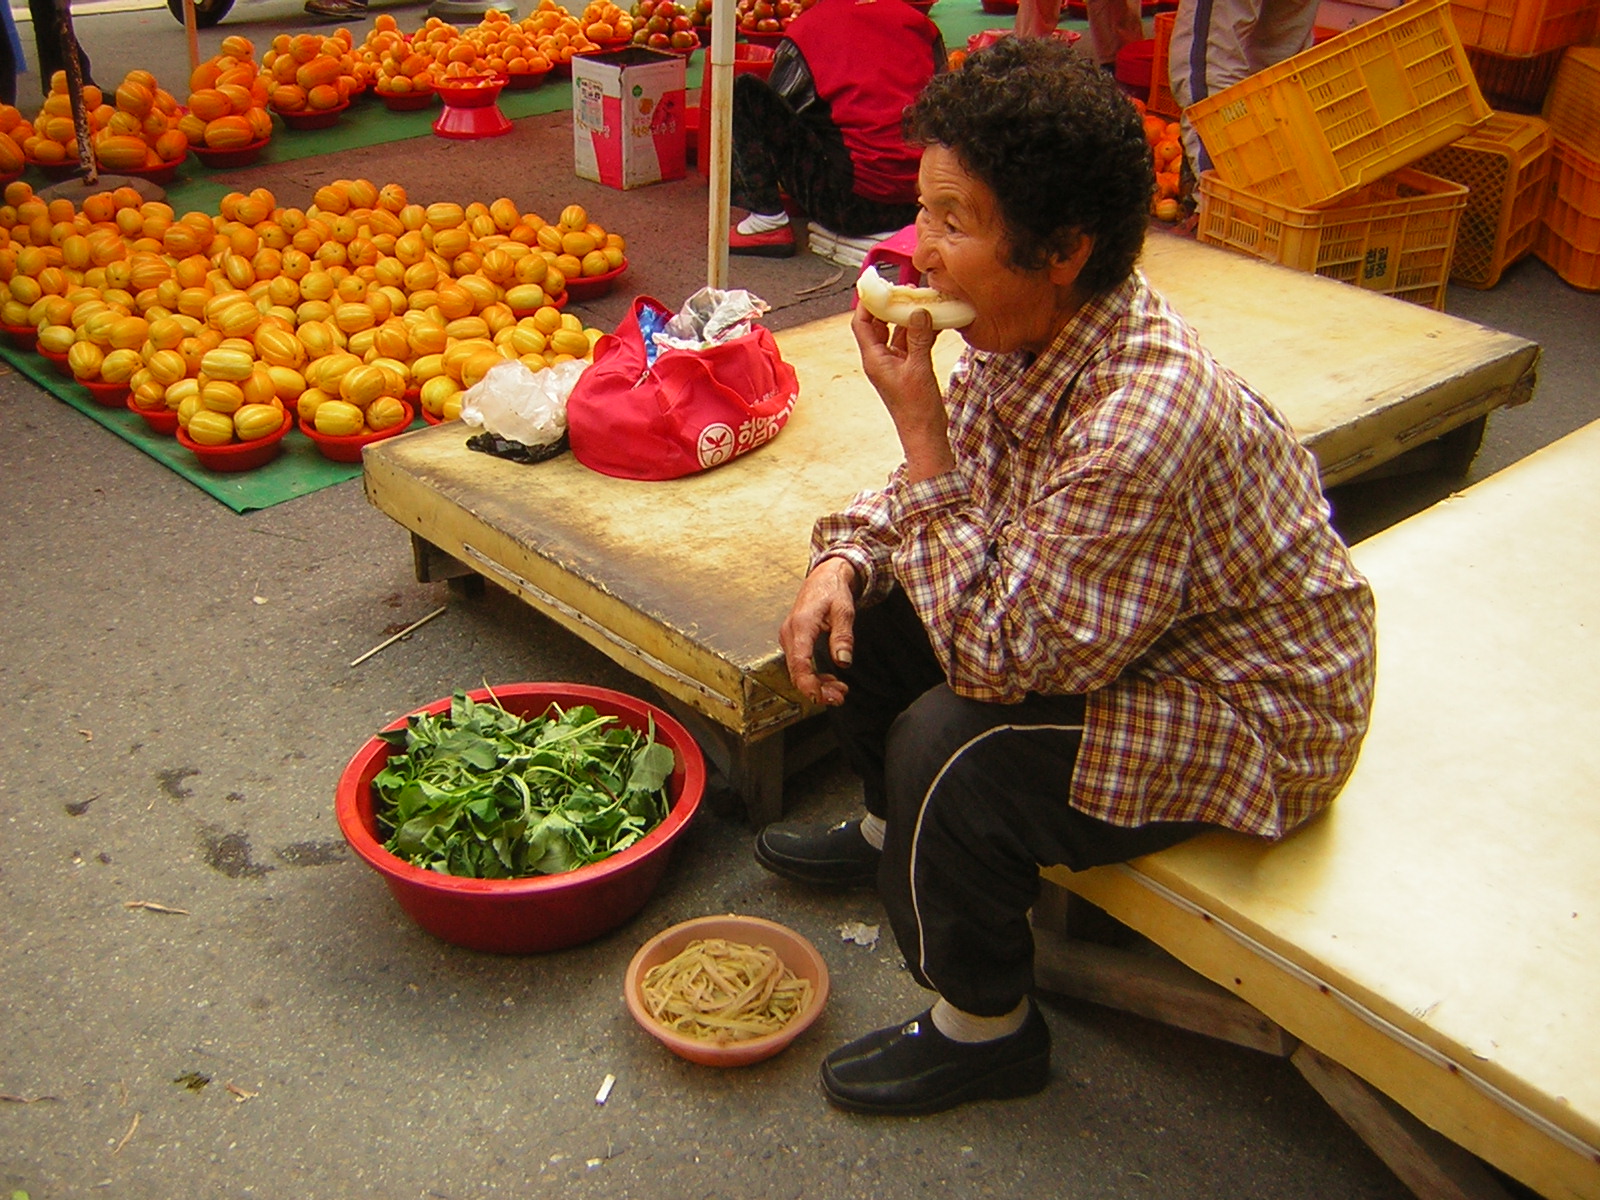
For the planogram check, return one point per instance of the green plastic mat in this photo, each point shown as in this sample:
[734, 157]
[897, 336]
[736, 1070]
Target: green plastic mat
[298, 471]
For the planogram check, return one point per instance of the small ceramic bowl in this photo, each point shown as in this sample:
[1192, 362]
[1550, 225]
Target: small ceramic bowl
[799, 955]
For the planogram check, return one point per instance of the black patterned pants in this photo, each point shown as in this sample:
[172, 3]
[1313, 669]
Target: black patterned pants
[778, 153]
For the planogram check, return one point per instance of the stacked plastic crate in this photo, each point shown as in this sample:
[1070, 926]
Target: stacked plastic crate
[1568, 237]
[1313, 157]
[1505, 166]
[1515, 45]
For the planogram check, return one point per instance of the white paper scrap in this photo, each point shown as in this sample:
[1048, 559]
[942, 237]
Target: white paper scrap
[604, 1093]
[861, 935]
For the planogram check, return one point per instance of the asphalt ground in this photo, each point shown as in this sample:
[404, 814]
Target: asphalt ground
[181, 702]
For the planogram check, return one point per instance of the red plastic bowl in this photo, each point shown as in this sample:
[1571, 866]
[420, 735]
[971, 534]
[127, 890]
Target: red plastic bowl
[230, 156]
[238, 456]
[320, 118]
[58, 360]
[471, 95]
[160, 420]
[106, 395]
[165, 173]
[23, 337]
[56, 171]
[587, 287]
[525, 81]
[347, 448]
[543, 912]
[408, 101]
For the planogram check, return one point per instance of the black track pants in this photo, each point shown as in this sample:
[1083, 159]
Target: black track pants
[975, 800]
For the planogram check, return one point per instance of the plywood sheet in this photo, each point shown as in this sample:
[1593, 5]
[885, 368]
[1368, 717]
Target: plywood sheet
[1453, 890]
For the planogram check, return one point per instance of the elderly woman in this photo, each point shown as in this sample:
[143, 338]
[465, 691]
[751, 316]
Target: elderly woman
[1096, 610]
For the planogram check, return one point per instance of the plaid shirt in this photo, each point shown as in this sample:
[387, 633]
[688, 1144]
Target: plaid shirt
[1127, 520]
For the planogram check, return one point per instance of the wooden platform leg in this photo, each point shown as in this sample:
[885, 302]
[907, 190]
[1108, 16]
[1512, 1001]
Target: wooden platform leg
[1427, 1162]
[756, 772]
[751, 783]
[1142, 979]
[430, 564]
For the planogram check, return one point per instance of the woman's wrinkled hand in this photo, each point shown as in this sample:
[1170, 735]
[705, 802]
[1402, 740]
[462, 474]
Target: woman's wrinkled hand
[898, 362]
[824, 608]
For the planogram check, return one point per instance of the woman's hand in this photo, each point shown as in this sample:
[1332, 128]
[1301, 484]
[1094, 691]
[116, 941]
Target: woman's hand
[899, 363]
[825, 607]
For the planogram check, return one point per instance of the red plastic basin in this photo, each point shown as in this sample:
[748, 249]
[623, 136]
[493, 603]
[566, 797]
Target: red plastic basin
[543, 912]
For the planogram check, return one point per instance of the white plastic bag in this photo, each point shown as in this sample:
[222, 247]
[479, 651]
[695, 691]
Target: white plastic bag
[710, 316]
[521, 405]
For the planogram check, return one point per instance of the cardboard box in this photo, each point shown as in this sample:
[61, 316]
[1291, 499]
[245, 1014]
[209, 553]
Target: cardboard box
[628, 117]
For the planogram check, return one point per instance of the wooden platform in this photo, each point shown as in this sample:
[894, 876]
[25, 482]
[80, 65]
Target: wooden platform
[1436, 933]
[685, 582]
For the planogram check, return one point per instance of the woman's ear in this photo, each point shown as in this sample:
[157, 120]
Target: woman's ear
[1065, 267]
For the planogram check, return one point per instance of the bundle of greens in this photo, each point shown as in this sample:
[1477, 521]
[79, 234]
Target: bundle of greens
[483, 793]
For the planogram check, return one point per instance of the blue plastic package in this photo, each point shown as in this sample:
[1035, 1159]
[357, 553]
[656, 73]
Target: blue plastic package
[651, 322]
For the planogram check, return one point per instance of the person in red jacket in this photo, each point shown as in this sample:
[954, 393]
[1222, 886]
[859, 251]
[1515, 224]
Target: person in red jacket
[824, 129]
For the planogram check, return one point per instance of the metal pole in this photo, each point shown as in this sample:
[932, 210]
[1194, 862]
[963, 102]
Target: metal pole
[717, 149]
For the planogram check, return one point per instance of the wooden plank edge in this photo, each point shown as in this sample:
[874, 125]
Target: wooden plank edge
[1432, 1166]
[1348, 451]
[1443, 1097]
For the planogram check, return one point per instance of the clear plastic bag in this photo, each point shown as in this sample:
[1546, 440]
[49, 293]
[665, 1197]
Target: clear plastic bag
[519, 405]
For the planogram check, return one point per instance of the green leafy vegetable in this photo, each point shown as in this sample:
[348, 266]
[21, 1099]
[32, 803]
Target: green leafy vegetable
[484, 793]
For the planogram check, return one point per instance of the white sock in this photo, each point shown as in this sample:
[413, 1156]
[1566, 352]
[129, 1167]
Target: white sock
[762, 223]
[872, 830]
[961, 1026]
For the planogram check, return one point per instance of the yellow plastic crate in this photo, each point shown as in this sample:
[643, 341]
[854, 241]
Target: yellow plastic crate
[1320, 125]
[1394, 236]
[1514, 83]
[1568, 239]
[1505, 166]
[1162, 102]
[1572, 105]
[1524, 26]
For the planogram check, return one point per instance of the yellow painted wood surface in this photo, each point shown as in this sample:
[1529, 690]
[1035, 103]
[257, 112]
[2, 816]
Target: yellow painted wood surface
[1453, 891]
[697, 573]
[1360, 376]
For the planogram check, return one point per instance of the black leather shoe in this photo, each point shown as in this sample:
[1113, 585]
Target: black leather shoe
[912, 1069]
[836, 857]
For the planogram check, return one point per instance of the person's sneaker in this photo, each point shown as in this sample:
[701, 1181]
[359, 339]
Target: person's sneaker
[912, 1069]
[774, 243]
[836, 857]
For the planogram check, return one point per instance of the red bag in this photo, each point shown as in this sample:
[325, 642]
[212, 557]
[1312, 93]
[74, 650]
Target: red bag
[689, 411]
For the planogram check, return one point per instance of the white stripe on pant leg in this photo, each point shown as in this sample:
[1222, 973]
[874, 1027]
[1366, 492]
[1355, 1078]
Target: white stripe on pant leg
[916, 829]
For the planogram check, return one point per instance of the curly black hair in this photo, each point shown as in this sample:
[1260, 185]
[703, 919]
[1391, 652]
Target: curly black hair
[1057, 142]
